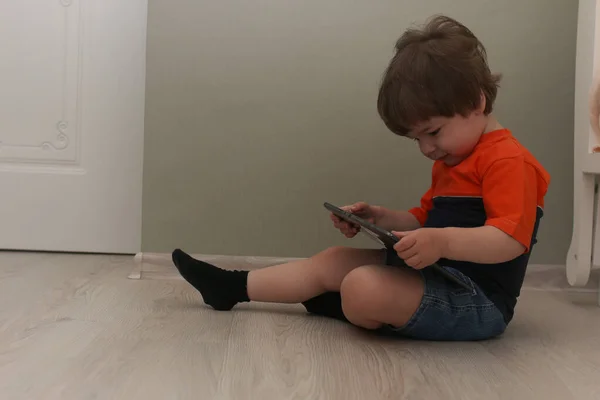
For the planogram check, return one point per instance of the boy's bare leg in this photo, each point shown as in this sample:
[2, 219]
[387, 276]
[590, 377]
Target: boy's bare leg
[299, 281]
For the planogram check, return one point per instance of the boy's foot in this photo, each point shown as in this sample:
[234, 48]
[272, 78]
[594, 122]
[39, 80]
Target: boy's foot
[220, 289]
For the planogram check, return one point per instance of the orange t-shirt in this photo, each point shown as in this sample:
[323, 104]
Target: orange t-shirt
[500, 184]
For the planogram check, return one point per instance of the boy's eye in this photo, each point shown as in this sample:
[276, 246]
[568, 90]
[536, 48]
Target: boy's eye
[433, 133]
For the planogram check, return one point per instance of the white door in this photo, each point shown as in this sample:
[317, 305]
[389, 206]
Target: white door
[72, 78]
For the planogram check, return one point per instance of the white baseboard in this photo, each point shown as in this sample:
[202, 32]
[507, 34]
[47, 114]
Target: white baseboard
[160, 266]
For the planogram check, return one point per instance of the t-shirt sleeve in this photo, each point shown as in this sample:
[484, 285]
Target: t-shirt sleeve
[426, 204]
[510, 198]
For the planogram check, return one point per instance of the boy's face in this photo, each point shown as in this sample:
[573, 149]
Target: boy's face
[450, 140]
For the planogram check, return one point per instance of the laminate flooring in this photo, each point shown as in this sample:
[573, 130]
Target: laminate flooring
[74, 327]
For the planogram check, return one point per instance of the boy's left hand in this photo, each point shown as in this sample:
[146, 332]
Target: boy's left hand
[420, 248]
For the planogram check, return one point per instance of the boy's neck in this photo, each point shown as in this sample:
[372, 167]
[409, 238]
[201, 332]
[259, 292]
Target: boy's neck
[492, 124]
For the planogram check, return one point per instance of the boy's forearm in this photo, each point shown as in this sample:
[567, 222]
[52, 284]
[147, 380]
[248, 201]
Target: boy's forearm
[484, 245]
[393, 220]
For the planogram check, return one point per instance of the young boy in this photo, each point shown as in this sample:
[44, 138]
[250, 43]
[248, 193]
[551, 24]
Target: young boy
[478, 220]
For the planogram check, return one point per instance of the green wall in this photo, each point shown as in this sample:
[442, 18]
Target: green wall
[259, 111]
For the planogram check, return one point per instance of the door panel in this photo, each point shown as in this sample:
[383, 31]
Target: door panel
[72, 77]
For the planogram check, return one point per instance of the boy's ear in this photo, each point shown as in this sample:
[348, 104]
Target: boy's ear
[482, 103]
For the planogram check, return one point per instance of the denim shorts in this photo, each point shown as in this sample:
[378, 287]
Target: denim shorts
[449, 311]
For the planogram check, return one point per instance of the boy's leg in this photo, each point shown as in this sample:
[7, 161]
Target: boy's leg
[373, 296]
[294, 282]
[301, 280]
[393, 298]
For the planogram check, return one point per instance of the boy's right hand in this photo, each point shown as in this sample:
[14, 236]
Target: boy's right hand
[362, 210]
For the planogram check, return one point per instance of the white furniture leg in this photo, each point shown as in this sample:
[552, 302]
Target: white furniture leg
[586, 142]
[579, 258]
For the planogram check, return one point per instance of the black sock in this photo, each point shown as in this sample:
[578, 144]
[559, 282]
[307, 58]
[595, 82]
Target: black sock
[328, 304]
[220, 289]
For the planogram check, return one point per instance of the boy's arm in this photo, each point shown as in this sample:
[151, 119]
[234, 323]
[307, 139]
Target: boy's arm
[483, 245]
[393, 220]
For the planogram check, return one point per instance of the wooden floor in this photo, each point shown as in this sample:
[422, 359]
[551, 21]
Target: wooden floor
[73, 327]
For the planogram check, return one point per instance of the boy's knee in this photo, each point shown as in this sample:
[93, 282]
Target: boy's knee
[329, 276]
[359, 292]
[335, 251]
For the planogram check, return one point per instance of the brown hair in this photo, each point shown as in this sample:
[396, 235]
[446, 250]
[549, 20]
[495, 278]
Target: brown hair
[439, 70]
